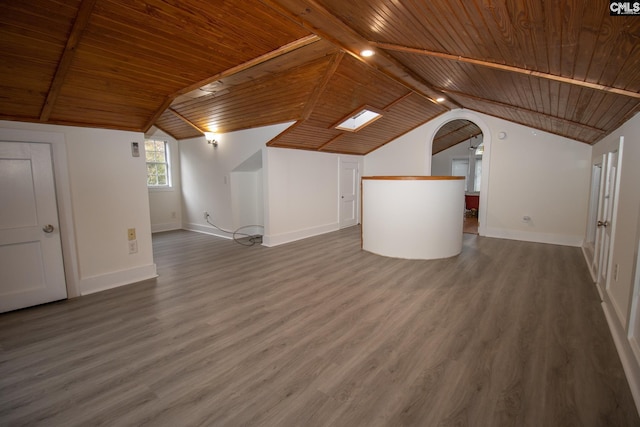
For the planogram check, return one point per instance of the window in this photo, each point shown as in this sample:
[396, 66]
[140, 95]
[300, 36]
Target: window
[359, 119]
[478, 176]
[157, 156]
[460, 167]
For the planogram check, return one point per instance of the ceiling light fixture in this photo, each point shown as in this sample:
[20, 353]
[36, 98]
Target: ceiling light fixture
[367, 53]
[441, 99]
[211, 138]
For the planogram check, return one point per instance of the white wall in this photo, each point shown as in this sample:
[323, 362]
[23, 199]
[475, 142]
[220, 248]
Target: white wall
[441, 162]
[540, 175]
[620, 291]
[207, 183]
[406, 155]
[302, 194]
[165, 204]
[530, 172]
[101, 193]
[294, 194]
[247, 201]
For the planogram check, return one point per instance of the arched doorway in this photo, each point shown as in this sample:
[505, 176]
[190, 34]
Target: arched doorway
[460, 145]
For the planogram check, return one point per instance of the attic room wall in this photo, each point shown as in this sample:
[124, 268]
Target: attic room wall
[531, 173]
[300, 188]
[108, 195]
[165, 205]
[206, 177]
[441, 162]
[302, 194]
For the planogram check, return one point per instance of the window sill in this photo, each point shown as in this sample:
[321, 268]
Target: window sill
[160, 189]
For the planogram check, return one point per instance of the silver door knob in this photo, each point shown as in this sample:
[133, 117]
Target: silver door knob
[48, 228]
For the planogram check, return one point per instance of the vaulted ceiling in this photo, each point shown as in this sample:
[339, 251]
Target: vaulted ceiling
[198, 65]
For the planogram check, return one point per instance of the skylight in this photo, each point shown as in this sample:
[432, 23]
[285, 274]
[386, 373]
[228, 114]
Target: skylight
[359, 120]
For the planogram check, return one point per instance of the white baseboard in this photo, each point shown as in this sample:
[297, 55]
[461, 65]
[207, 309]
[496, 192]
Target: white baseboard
[528, 236]
[167, 226]
[93, 284]
[587, 258]
[292, 236]
[206, 229]
[630, 364]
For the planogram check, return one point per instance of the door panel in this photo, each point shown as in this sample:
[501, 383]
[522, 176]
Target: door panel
[605, 220]
[348, 194]
[31, 268]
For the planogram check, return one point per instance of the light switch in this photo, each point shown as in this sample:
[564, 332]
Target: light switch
[131, 234]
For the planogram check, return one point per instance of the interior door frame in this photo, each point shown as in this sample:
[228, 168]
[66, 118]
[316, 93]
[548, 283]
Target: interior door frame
[341, 160]
[487, 141]
[612, 213]
[589, 246]
[62, 185]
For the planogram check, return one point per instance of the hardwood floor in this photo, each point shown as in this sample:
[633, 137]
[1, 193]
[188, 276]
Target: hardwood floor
[318, 332]
[470, 225]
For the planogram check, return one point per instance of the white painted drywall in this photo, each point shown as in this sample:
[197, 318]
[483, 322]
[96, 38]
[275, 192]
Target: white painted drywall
[294, 194]
[403, 156]
[108, 195]
[540, 175]
[302, 194]
[412, 219]
[247, 201]
[529, 173]
[441, 162]
[210, 184]
[165, 204]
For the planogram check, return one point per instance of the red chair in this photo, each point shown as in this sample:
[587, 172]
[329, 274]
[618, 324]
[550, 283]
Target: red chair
[472, 204]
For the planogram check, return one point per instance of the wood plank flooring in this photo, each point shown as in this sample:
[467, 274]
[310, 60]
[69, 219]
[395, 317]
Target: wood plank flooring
[320, 333]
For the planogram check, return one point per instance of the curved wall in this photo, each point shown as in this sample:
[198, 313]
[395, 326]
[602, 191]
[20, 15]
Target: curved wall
[417, 217]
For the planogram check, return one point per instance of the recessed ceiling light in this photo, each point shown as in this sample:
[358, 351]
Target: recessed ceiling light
[441, 99]
[367, 52]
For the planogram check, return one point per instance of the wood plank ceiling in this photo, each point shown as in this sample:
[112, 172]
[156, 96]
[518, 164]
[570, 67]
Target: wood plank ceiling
[196, 65]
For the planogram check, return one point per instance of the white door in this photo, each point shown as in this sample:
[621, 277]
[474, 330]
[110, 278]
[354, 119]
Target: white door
[596, 224]
[348, 193]
[31, 268]
[606, 216]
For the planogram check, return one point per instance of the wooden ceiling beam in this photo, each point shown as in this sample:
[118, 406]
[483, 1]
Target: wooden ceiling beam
[82, 19]
[184, 119]
[314, 17]
[508, 68]
[397, 101]
[331, 141]
[334, 63]
[523, 110]
[165, 104]
[251, 63]
[244, 66]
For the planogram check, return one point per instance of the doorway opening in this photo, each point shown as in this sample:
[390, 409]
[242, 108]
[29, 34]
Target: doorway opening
[457, 150]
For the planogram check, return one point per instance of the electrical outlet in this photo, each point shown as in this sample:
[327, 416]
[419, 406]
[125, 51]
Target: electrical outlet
[131, 234]
[133, 246]
[205, 214]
